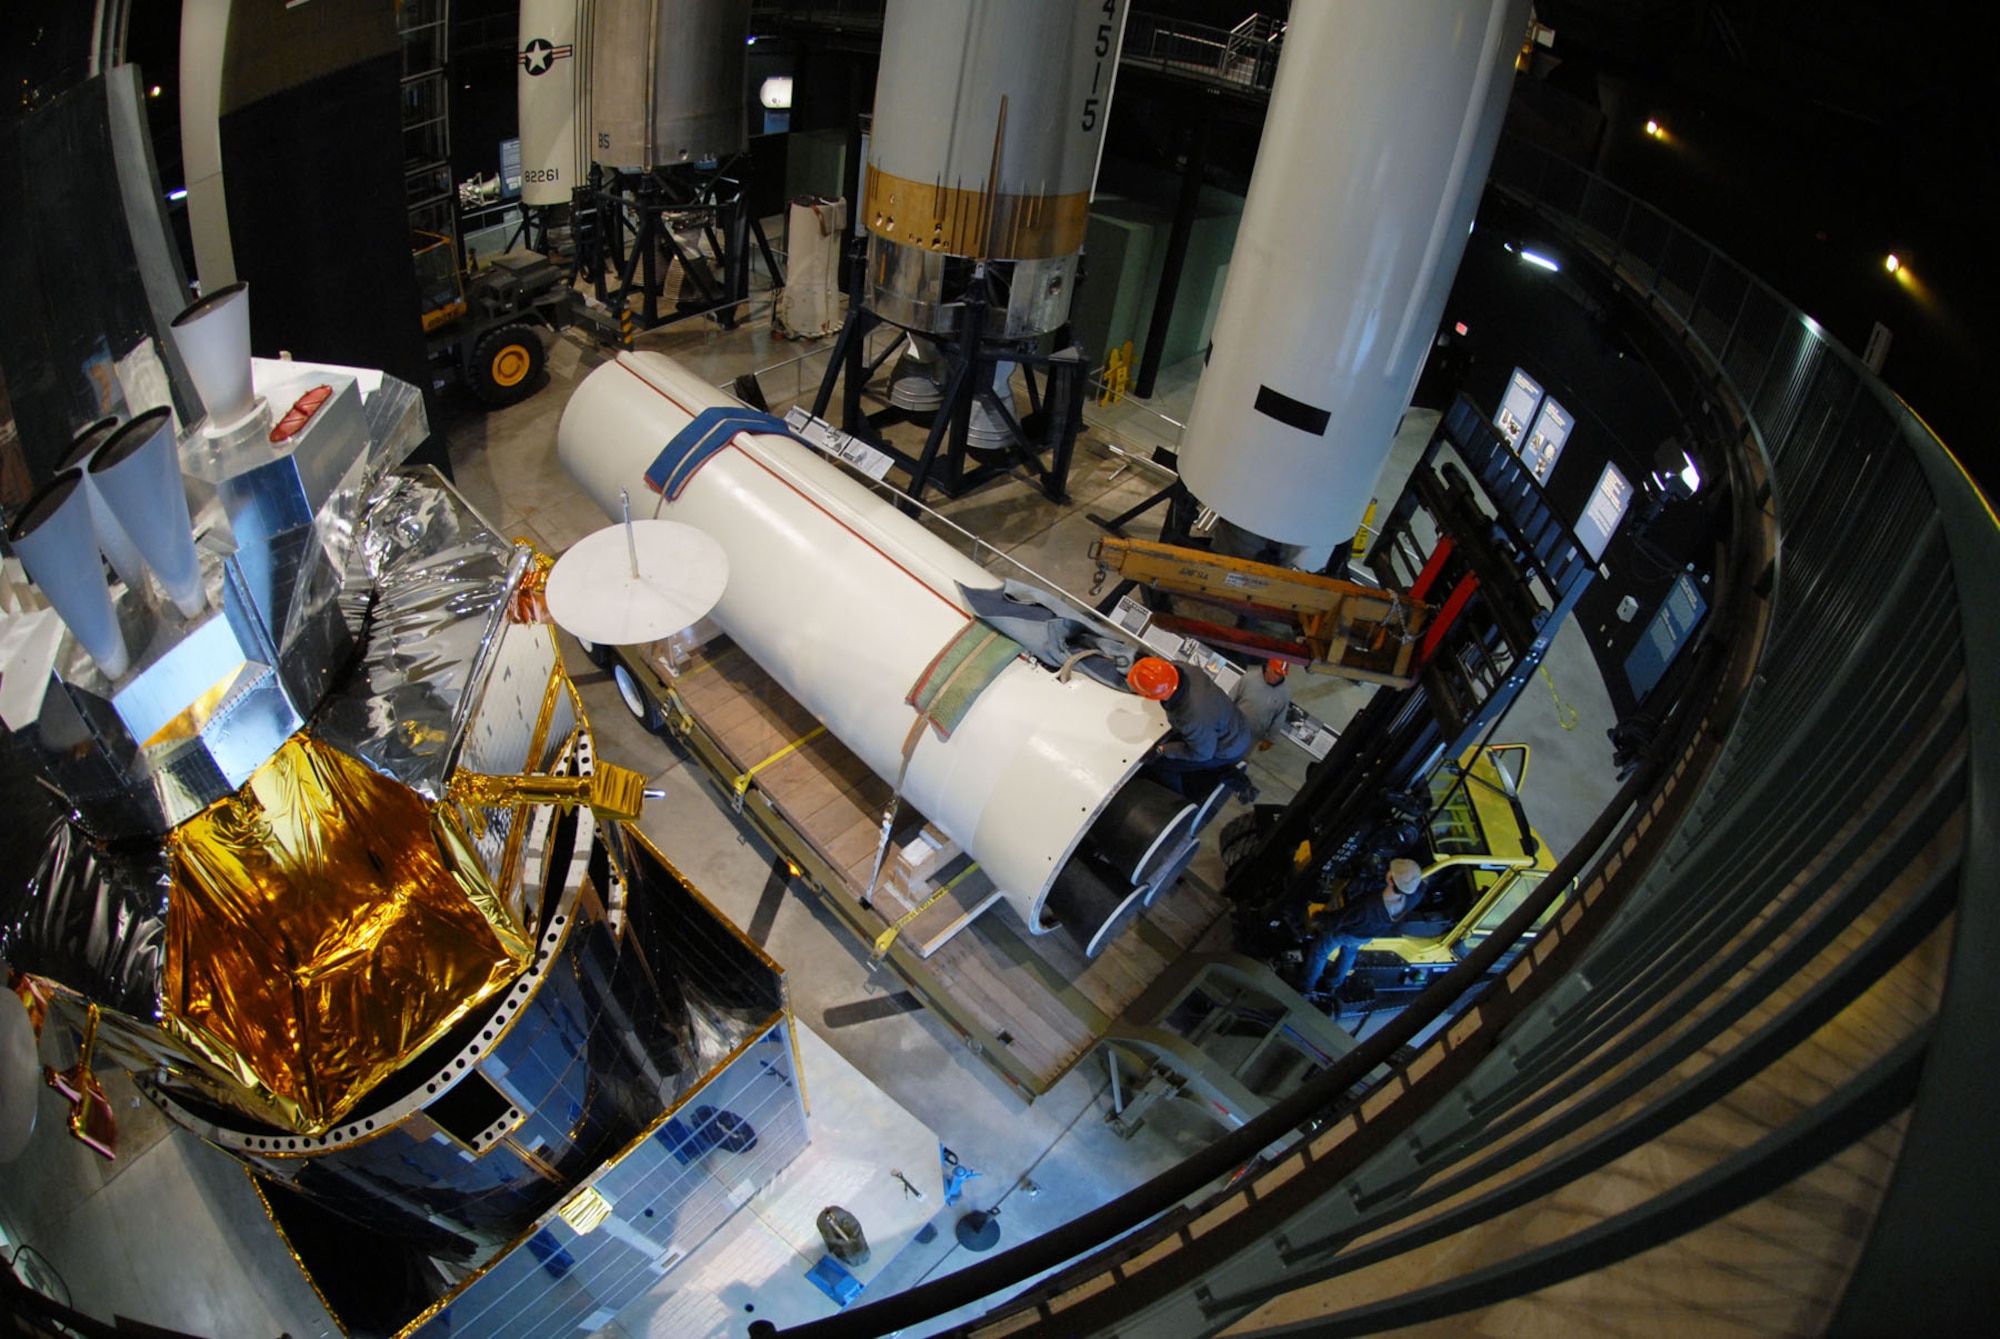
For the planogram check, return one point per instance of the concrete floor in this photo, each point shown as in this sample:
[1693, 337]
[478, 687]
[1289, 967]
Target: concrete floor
[171, 1233]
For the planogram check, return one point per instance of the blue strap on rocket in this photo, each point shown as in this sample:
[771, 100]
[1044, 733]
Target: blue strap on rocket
[706, 433]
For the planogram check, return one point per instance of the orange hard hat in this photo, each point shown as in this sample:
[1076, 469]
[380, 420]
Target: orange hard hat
[1279, 667]
[1153, 677]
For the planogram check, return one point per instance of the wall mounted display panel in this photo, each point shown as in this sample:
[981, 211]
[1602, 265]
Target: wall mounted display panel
[1546, 439]
[1606, 508]
[1517, 407]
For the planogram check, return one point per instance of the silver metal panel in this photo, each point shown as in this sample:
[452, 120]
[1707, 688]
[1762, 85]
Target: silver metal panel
[925, 290]
[503, 727]
[666, 81]
[431, 581]
[269, 490]
[206, 656]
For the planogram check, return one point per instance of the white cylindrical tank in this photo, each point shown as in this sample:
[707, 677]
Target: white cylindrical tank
[846, 601]
[989, 118]
[1382, 127]
[546, 91]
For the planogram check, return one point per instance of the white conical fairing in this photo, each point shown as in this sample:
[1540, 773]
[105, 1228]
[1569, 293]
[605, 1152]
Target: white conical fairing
[55, 541]
[111, 536]
[139, 472]
[214, 339]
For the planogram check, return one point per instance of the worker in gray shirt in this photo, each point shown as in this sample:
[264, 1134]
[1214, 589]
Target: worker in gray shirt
[1263, 696]
[1209, 732]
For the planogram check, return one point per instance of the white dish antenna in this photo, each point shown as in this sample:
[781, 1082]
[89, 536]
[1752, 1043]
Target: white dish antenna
[636, 582]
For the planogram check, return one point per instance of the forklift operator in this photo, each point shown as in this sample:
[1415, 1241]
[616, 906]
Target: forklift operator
[1364, 918]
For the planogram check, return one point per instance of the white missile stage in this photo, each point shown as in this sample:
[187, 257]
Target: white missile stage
[849, 604]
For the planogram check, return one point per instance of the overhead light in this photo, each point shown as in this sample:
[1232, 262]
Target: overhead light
[153, 92]
[1655, 129]
[1891, 264]
[178, 193]
[776, 93]
[1691, 474]
[1535, 258]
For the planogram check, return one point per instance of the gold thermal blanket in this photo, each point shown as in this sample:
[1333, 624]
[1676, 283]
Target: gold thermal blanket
[325, 924]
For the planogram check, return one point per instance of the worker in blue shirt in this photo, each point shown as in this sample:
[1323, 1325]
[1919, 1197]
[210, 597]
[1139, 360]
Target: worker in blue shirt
[1372, 914]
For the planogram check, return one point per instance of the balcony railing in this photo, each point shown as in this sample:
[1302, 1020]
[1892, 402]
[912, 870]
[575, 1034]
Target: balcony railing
[1245, 56]
[1696, 1090]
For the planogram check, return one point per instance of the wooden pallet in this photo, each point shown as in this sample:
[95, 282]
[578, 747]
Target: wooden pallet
[1035, 995]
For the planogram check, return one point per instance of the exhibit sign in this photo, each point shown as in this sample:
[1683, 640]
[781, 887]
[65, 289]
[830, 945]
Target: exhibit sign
[1679, 614]
[1606, 508]
[1517, 408]
[1546, 439]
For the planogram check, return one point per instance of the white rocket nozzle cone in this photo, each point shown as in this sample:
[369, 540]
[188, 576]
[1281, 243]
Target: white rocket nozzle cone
[111, 536]
[54, 540]
[139, 473]
[214, 339]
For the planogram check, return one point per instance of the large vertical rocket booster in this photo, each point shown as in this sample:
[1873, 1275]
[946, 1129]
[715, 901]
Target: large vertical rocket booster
[666, 81]
[547, 89]
[1382, 126]
[988, 122]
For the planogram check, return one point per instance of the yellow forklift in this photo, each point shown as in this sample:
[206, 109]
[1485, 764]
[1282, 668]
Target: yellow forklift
[1484, 861]
[1481, 859]
[480, 326]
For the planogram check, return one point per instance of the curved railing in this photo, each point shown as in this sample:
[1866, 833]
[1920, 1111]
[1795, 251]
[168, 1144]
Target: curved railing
[1692, 1102]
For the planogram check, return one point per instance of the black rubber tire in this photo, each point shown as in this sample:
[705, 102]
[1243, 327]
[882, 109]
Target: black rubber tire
[636, 699]
[507, 365]
[600, 656]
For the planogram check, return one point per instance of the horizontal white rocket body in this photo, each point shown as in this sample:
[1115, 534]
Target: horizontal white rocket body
[846, 601]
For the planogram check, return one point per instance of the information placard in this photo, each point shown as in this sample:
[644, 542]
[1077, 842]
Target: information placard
[1607, 506]
[1679, 614]
[1517, 407]
[510, 168]
[1546, 439]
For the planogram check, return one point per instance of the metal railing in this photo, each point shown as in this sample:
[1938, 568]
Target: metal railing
[1245, 56]
[1722, 1032]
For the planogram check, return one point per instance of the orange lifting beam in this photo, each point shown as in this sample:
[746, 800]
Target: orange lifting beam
[1337, 627]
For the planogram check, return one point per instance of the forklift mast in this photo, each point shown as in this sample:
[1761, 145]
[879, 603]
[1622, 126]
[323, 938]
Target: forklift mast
[1503, 571]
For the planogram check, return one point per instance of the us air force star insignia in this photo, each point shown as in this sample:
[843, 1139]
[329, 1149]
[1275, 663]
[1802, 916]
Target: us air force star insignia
[539, 54]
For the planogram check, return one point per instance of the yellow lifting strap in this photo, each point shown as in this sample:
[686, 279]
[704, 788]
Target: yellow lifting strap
[888, 936]
[743, 780]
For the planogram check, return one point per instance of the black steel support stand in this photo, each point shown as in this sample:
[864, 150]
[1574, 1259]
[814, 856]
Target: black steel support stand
[1185, 210]
[632, 230]
[1055, 382]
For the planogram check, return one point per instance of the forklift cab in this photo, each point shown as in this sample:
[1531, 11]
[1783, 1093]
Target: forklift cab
[1483, 861]
[438, 281]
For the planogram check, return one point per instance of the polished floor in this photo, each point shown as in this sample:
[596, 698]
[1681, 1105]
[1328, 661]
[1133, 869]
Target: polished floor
[171, 1233]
